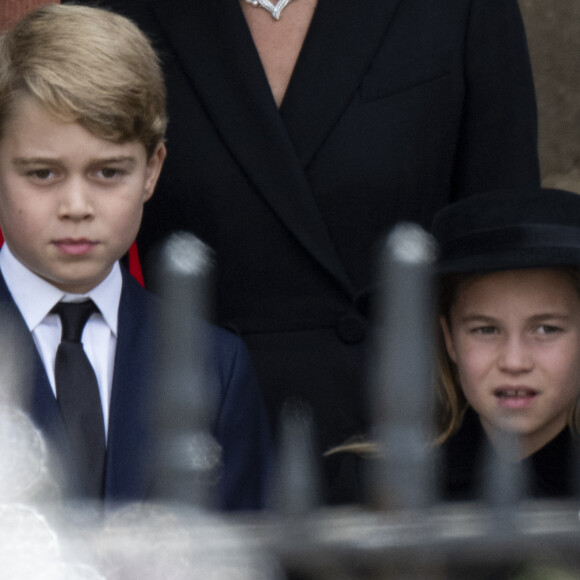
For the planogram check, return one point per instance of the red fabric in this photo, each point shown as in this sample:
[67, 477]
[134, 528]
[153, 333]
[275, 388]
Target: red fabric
[135, 264]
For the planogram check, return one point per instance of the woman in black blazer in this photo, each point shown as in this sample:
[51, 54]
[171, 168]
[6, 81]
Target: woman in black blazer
[393, 109]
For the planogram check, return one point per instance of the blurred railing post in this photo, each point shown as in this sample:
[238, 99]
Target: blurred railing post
[188, 457]
[402, 388]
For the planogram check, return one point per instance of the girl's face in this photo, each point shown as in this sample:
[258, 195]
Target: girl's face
[515, 338]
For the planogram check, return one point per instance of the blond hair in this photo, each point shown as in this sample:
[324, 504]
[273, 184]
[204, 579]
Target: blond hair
[86, 65]
[451, 400]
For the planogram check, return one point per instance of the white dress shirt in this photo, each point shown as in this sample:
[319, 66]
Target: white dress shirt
[36, 297]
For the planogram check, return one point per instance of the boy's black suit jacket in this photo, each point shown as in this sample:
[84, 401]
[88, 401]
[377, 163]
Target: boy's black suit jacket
[240, 424]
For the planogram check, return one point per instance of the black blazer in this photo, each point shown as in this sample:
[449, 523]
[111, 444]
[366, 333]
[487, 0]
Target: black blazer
[463, 465]
[240, 425]
[465, 461]
[395, 108]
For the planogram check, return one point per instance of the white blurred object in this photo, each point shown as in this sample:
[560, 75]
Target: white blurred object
[24, 465]
[28, 546]
[156, 542]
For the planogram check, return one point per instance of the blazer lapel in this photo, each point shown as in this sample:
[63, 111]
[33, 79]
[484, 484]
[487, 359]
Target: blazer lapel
[35, 395]
[129, 439]
[216, 51]
[342, 40]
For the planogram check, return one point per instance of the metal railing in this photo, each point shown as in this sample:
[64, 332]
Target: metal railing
[408, 533]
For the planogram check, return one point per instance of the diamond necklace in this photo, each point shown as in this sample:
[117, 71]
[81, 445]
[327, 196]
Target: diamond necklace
[274, 10]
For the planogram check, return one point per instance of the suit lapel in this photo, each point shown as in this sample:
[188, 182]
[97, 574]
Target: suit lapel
[129, 437]
[342, 40]
[37, 397]
[215, 49]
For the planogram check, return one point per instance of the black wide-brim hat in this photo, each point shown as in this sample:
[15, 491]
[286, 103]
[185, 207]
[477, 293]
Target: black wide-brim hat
[509, 229]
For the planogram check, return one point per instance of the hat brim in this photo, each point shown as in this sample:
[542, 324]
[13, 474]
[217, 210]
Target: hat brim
[514, 259]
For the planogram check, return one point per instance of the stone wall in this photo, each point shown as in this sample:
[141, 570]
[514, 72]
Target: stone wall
[553, 29]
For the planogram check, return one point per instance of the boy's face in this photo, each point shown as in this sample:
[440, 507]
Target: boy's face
[70, 203]
[515, 338]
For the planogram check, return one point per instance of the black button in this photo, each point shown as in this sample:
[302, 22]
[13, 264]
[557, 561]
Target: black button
[351, 328]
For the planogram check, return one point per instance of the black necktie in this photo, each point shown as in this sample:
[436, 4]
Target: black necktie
[78, 396]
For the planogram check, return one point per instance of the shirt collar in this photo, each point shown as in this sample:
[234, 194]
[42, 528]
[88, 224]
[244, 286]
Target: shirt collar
[35, 297]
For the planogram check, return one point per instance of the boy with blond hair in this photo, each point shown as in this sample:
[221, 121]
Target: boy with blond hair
[82, 124]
